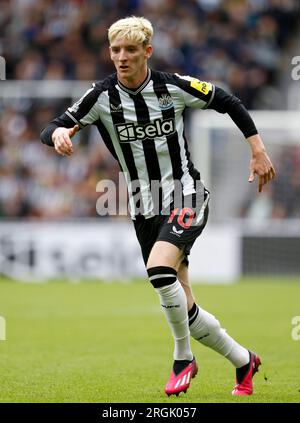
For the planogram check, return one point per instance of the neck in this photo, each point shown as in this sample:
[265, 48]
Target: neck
[134, 81]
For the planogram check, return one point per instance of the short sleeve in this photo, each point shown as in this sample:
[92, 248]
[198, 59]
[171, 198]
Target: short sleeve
[85, 111]
[197, 94]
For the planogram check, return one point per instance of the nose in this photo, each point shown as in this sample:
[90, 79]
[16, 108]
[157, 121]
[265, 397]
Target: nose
[123, 55]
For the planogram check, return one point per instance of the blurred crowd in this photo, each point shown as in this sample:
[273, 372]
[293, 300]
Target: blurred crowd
[281, 199]
[237, 43]
[38, 183]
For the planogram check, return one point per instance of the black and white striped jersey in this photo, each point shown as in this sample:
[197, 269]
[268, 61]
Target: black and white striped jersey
[144, 130]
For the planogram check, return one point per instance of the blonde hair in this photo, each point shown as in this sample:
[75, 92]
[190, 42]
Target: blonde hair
[134, 28]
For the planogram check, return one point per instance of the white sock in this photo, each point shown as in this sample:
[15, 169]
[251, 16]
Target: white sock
[205, 328]
[174, 304]
[238, 356]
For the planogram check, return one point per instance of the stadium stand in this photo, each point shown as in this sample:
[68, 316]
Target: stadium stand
[236, 42]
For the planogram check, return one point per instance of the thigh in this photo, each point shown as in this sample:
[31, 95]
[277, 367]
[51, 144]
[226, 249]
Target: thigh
[147, 231]
[165, 254]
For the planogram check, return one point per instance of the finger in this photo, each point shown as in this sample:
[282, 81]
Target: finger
[62, 148]
[273, 173]
[66, 140]
[73, 130]
[64, 152]
[251, 177]
[59, 151]
[67, 150]
[266, 178]
[61, 139]
[67, 144]
[260, 183]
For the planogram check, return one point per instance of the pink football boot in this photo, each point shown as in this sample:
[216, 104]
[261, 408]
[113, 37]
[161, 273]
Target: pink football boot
[181, 381]
[245, 386]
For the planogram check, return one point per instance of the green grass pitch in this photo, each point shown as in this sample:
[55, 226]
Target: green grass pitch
[97, 342]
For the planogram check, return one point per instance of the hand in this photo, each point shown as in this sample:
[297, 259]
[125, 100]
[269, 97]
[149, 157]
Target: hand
[262, 166]
[61, 138]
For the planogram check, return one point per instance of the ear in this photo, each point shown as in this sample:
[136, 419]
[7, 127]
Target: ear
[148, 51]
[110, 52]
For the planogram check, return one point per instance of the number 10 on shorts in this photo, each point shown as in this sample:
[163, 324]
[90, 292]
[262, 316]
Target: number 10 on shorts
[185, 217]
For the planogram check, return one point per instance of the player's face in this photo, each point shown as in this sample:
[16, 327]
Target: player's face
[130, 59]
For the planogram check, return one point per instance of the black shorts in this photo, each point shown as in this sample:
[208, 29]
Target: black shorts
[181, 226]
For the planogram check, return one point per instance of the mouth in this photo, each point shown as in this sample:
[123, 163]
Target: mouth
[123, 67]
